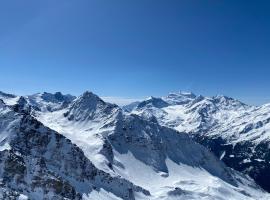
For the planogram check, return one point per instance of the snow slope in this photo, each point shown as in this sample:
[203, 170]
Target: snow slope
[161, 160]
[236, 132]
[38, 163]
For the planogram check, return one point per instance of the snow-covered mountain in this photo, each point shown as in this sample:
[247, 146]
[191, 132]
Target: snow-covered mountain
[86, 148]
[38, 163]
[237, 133]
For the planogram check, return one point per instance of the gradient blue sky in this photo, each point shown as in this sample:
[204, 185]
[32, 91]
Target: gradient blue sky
[139, 48]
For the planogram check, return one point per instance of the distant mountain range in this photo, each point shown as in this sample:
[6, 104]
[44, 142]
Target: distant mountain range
[56, 146]
[237, 133]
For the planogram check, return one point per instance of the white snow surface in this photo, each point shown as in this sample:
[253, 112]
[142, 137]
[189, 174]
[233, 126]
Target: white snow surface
[220, 115]
[88, 122]
[181, 181]
[84, 134]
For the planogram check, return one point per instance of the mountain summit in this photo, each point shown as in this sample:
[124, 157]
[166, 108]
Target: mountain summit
[237, 133]
[87, 149]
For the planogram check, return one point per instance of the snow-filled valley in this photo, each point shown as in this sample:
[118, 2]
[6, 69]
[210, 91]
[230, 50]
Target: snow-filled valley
[59, 146]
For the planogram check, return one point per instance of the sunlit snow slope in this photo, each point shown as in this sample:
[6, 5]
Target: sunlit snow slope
[237, 133]
[148, 160]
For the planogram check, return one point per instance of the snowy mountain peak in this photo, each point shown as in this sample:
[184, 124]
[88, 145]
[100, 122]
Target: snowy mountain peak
[89, 106]
[153, 101]
[56, 97]
[90, 96]
[181, 94]
[104, 153]
[179, 98]
[49, 102]
[9, 99]
[42, 164]
[3, 94]
[89, 101]
[22, 106]
[22, 101]
[228, 101]
[237, 133]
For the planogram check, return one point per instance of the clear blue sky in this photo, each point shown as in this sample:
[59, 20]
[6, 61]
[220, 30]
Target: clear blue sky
[136, 48]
